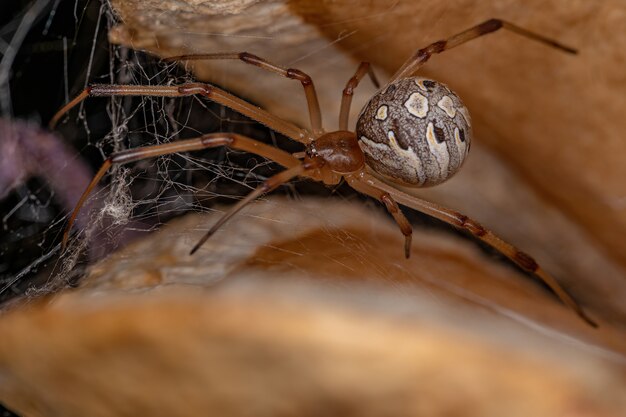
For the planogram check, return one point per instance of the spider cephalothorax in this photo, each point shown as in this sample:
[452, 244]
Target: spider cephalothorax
[338, 154]
[413, 132]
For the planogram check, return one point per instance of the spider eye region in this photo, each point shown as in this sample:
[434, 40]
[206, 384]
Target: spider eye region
[415, 131]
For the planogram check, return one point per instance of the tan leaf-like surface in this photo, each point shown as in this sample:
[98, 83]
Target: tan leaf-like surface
[309, 307]
[303, 308]
[546, 170]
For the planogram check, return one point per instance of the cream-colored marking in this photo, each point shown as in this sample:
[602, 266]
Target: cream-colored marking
[381, 113]
[438, 150]
[461, 146]
[417, 105]
[420, 83]
[466, 116]
[447, 105]
[404, 161]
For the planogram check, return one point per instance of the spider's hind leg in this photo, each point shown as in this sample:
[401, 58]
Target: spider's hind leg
[420, 56]
[460, 221]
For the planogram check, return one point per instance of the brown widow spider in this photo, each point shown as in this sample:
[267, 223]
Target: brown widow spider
[414, 132]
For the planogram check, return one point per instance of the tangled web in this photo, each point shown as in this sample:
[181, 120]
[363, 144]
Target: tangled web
[133, 199]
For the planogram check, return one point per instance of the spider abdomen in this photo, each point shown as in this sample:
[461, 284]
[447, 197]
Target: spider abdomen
[415, 131]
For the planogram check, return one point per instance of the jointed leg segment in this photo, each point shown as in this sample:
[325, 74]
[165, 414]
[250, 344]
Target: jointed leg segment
[390, 205]
[522, 259]
[422, 55]
[206, 90]
[231, 140]
[348, 92]
[267, 186]
[295, 74]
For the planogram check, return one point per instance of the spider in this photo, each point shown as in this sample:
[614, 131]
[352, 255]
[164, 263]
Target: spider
[413, 132]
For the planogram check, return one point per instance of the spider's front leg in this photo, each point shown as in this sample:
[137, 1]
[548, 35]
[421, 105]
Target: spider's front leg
[190, 89]
[456, 219]
[304, 169]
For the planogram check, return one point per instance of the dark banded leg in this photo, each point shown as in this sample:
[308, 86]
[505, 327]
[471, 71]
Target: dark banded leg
[420, 57]
[292, 73]
[456, 219]
[212, 140]
[348, 92]
[206, 90]
[390, 205]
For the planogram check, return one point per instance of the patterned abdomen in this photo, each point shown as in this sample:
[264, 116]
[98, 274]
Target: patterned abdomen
[416, 131]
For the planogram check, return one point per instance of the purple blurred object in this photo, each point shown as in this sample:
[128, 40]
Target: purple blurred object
[27, 150]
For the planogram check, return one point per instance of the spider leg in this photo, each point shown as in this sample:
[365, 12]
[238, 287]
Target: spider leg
[420, 57]
[212, 140]
[267, 186]
[206, 90]
[390, 205]
[292, 73]
[456, 219]
[348, 92]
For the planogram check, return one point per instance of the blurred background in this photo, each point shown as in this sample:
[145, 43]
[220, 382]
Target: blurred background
[546, 169]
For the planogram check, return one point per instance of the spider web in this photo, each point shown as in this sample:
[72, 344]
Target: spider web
[132, 200]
